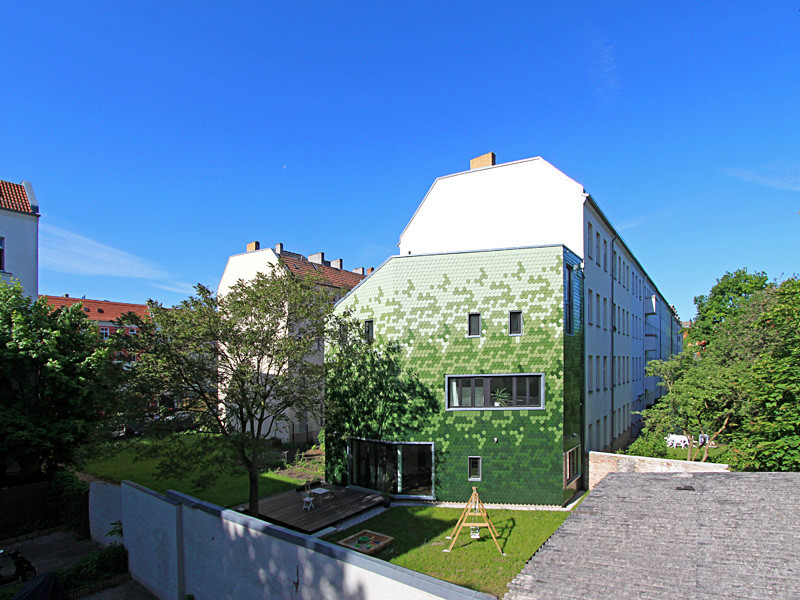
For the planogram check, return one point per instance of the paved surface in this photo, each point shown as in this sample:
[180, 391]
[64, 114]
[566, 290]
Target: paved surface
[64, 549]
[59, 549]
[649, 536]
[129, 590]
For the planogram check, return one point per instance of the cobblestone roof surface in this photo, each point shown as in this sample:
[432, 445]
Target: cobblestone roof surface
[662, 535]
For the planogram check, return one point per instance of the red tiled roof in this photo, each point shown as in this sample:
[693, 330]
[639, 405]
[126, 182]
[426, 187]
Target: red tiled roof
[330, 276]
[13, 197]
[99, 310]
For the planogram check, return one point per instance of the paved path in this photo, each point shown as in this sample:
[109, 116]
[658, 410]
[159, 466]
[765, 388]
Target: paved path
[64, 549]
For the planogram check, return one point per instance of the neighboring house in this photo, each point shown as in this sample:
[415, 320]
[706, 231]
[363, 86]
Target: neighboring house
[19, 236]
[102, 312]
[332, 277]
[520, 306]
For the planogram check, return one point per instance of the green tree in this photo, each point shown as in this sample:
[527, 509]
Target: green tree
[368, 394]
[240, 364]
[724, 299]
[57, 381]
[769, 439]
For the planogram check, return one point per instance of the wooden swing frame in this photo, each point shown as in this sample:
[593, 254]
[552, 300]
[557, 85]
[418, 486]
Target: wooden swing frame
[474, 508]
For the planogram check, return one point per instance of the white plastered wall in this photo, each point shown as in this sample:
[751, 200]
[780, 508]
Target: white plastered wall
[21, 233]
[518, 204]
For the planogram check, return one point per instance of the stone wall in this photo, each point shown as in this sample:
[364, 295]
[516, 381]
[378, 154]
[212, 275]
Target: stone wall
[603, 463]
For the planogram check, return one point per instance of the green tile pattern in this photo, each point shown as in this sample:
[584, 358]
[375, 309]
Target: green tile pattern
[423, 302]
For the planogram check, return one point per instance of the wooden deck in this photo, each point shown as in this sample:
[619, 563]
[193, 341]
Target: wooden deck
[286, 508]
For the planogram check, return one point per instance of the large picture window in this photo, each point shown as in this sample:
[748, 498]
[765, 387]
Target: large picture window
[495, 391]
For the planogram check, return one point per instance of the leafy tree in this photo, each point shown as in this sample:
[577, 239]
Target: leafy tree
[240, 364]
[57, 380]
[724, 299]
[769, 440]
[368, 394]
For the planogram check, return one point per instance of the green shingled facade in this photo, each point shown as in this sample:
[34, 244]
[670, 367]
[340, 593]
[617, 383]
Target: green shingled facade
[423, 301]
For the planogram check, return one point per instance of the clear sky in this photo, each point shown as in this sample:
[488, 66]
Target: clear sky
[161, 137]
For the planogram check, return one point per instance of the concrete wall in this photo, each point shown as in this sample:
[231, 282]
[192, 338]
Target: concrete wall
[105, 507]
[179, 545]
[602, 463]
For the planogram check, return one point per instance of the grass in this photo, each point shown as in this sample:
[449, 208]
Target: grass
[419, 538]
[714, 454]
[228, 490]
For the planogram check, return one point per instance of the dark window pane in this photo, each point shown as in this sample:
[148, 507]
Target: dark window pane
[515, 323]
[501, 391]
[474, 324]
[479, 393]
[474, 467]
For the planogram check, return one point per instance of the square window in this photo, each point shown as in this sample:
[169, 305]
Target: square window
[369, 330]
[474, 325]
[104, 333]
[515, 322]
[474, 468]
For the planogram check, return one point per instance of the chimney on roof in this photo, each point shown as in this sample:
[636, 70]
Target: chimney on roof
[359, 271]
[337, 264]
[370, 270]
[253, 246]
[279, 248]
[486, 160]
[317, 257]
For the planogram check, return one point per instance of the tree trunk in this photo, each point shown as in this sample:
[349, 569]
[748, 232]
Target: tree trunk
[252, 475]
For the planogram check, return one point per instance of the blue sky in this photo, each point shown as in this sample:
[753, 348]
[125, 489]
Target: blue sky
[160, 138]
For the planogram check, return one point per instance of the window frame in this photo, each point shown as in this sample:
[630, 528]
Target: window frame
[369, 329]
[510, 331]
[2, 254]
[469, 323]
[484, 376]
[470, 477]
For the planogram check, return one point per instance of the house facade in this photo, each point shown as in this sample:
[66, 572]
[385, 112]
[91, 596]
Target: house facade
[19, 236]
[330, 275]
[510, 278]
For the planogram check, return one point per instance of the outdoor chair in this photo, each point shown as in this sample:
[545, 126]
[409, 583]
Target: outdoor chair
[308, 497]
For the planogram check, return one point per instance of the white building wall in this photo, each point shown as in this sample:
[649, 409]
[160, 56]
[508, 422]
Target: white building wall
[21, 233]
[523, 203]
[245, 267]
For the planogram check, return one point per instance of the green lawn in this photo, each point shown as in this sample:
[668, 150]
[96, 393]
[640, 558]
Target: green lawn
[419, 538]
[714, 454]
[228, 490]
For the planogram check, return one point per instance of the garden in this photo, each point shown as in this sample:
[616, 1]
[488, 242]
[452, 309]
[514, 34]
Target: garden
[419, 534]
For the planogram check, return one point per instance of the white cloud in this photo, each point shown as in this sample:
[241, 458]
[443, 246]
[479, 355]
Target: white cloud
[605, 72]
[177, 286]
[66, 252]
[630, 223]
[778, 175]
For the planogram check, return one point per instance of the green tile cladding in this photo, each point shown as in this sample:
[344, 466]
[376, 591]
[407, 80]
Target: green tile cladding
[423, 301]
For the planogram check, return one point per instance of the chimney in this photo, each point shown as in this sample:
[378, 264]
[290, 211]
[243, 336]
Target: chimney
[278, 249]
[359, 271]
[487, 160]
[253, 246]
[317, 257]
[337, 264]
[370, 270]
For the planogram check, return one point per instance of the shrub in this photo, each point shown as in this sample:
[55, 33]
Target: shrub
[649, 443]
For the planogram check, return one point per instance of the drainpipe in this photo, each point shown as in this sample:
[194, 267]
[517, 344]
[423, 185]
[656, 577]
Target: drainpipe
[613, 335]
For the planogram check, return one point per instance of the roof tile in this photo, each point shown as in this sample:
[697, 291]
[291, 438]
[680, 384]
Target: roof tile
[13, 197]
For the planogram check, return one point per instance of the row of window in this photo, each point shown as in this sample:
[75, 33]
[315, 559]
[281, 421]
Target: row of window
[495, 391]
[621, 270]
[628, 369]
[622, 321]
[599, 435]
[105, 332]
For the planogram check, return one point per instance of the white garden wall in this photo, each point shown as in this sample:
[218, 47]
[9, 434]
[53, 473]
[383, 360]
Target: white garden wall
[179, 545]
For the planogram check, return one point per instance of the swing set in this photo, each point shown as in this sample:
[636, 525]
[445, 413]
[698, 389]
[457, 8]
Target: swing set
[470, 518]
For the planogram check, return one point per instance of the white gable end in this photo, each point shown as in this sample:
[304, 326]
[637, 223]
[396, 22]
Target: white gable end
[524, 203]
[246, 266]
